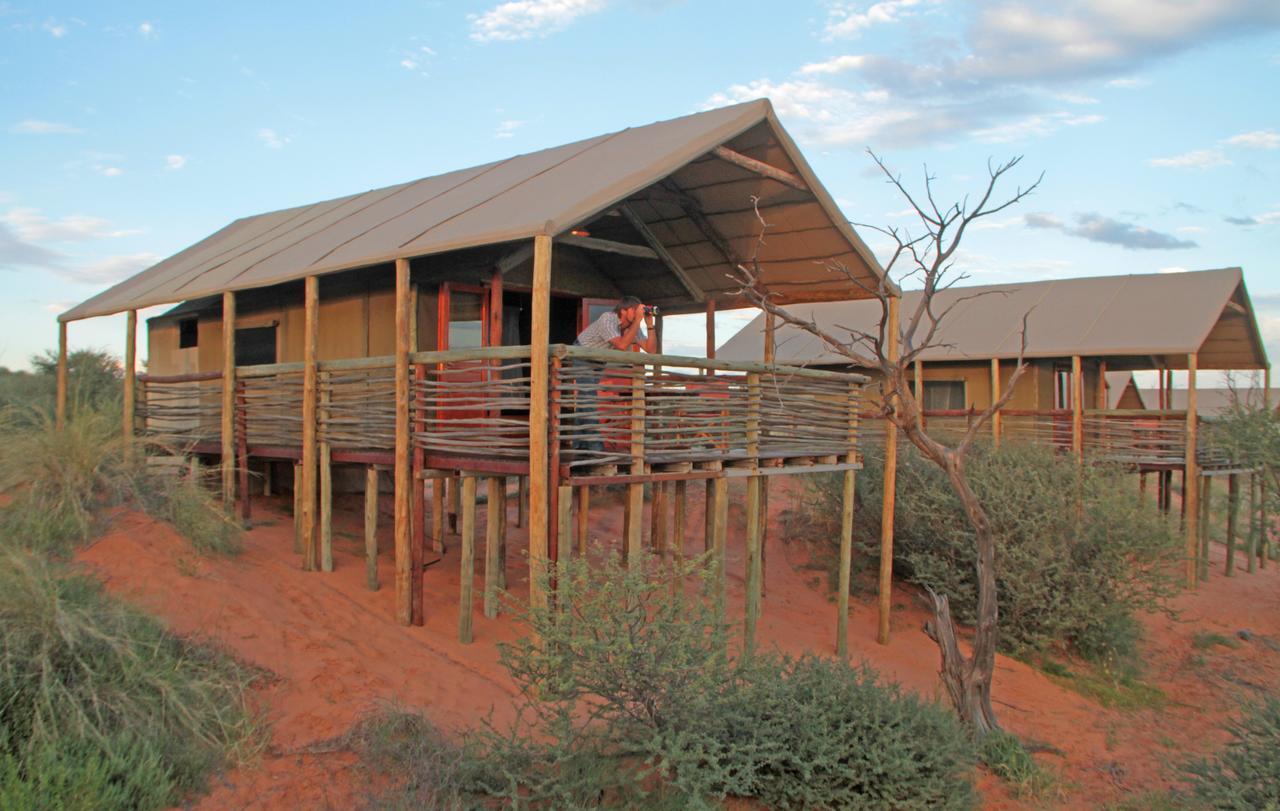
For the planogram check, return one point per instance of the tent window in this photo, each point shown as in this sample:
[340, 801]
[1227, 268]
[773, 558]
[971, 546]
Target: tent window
[944, 395]
[255, 346]
[188, 333]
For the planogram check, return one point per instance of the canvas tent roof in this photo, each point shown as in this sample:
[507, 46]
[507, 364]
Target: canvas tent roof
[1137, 322]
[1213, 400]
[547, 192]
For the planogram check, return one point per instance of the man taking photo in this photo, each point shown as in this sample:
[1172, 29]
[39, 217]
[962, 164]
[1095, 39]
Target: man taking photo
[628, 326]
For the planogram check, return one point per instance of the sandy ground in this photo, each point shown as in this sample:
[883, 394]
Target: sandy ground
[335, 653]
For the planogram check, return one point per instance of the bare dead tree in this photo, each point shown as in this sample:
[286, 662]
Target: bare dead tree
[928, 259]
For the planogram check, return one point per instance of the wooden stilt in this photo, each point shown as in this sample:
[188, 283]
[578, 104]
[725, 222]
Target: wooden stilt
[635, 491]
[310, 344]
[564, 513]
[708, 508]
[658, 519]
[539, 401]
[1192, 470]
[846, 527]
[492, 543]
[681, 520]
[127, 426]
[1233, 514]
[995, 395]
[885, 585]
[268, 475]
[437, 513]
[1206, 500]
[770, 357]
[1251, 526]
[326, 483]
[297, 507]
[227, 412]
[403, 485]
[754, 518]
[1077, 408]
[719, 529]
[60, 392]
[467, 558]
[1142, 485]
[522, 499]
[455, 499]
[371, 527]
[584, 518]
[502, 537]
[417, 462]
[244, 497]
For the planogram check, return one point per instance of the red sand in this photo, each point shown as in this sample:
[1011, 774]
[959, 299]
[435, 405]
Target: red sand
[336, 653]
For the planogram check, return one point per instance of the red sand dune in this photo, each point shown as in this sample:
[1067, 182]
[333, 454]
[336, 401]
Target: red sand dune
[336, 652]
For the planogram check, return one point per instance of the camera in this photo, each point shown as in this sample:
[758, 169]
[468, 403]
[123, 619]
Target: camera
[651, 309]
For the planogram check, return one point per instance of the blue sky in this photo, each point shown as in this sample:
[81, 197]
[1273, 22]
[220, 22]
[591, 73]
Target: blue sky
[131, 130]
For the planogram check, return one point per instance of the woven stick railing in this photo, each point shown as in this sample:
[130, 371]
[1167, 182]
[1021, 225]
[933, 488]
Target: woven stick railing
[180, 411]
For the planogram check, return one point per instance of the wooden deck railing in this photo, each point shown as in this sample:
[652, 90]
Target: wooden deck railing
[474, 404]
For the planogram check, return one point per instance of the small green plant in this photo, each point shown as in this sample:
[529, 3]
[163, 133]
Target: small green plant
[1204, 640]
[1246, 774]
[1115, 690]
[102, 707]
[427, 769]
[1008, 759]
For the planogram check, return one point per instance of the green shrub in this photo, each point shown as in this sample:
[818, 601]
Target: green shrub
[1064, 576]
[427, 770]
[145, 714]
[1008, 759]
[60, 480]
[1246, 775]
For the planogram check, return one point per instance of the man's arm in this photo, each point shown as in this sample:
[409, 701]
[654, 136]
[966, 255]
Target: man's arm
[650, 344]
[628, 336]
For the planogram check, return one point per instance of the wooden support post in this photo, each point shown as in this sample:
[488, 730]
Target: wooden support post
[1251, 526]
[885, 586]
[297, 507]
[496, 506]
[244, 497]
[1100, 396]
[467, 558]
[437, 514]
[770, 357]
[564, 514]
[403, 484]
[267, 468]
[918, 389]
[522, 500]
[711, 331]
[995, 395]
[846, 525]
[371, 527]
[1233, 515]
[539, 400]
[326, 482]
[60, 395]
[417, 462]
[1077, 409]
[502, 535]
[227, 412]
[127, 411]
[681, 520]
[754, 518]
[657, 519]
[1206, 502]
[583, 508]
[554, 533]
[635, 490]
[719, 529]
[708, 508]
[1142, 486]
[310, 344]
[454, 495]
[1192, 469]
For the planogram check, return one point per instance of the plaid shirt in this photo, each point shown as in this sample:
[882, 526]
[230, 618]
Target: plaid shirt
[607, 326]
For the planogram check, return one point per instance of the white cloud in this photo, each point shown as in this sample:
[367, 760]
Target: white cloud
[507, 129]
[408, 63]
[175, 162]
[846, 20]
[527, 19]
[1259, 139]
[109, 171]
[272, 139]
[1196, 159]
[55, 29]
[1075, 98]
[837, 64]
[32, 126]
[32, 226]
[1035, 126]
[1192, 229]
[146, 29]
[1129, 83]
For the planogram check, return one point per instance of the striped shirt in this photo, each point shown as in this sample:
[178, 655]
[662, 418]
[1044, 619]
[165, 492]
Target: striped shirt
[607, 326]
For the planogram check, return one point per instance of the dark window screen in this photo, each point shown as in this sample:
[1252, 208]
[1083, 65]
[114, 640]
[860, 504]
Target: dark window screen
[188, 333]
[255, 346]
[944, 395]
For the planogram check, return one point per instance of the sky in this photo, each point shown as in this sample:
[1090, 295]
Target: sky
[130, 130]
